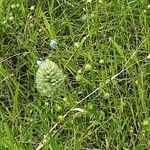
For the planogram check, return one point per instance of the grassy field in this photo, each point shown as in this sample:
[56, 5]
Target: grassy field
[102, 50]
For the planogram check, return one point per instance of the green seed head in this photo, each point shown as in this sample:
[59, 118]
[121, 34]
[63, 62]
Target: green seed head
[49, 78]
[58, 108]
[87, 67]
[79, 71]
[146, 122]
[101, 61]
[60, 118]
[90, 106]
[107, 95]
[79, 78]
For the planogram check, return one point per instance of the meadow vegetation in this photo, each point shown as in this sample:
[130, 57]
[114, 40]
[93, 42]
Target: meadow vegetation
[102, 49]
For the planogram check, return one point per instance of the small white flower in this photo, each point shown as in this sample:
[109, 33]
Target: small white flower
[53, 44]
[32, 8]
[148, 56]
[100, 1]
[39, 62]
[148, 6]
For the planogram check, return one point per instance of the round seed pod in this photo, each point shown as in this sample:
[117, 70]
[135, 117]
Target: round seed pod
[49, 78]
[88, 67]
[79, 78]
[107, 95]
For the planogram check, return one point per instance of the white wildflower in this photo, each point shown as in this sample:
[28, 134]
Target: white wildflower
[39, 62]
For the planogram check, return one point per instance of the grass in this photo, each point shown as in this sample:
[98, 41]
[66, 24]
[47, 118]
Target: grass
[103, 107]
